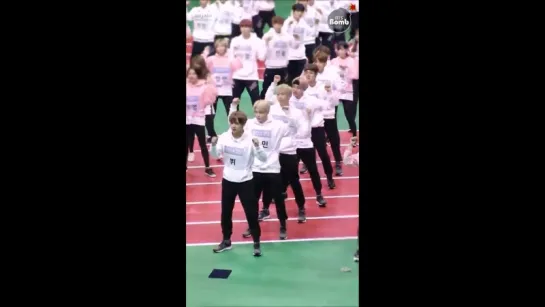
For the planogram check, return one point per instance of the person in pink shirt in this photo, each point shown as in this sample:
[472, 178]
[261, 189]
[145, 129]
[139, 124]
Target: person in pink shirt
[222, 65]
[355, 54]
[201, 92]
[347, 72]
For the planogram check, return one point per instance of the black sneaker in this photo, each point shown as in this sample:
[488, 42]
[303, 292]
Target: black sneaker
[257, 250]
[357, 256]
[223, 246]
[247, 234]
[338, 169]
[302, 217]
[283, 233]
[264, 215]
[209, 172]
[303, 170]
[331, 184]
[321, 201]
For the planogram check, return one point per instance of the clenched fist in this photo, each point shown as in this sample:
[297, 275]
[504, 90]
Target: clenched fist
[214, 140]
[327, 88]
[235, 102]
[276, 79]
[256, 142]
[309, 111]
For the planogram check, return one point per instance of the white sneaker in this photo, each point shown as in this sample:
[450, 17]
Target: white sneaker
[191, 157]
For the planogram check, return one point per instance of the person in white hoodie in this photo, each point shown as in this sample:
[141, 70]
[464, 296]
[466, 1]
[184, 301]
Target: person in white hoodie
[312, 19]
[304, 138]
[204, 19]
[239, 151]
[296, 27]
[278, 46]
[270, 133]
[299, 123]
[247, 48]
[328, 88]
[225, 14]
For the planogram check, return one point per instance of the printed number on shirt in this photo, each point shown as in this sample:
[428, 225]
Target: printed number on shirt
[233, 161]
[264, 136]
[191, 103]
[265, 144]
[200, 25]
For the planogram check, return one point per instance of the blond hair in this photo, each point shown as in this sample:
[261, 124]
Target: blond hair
[284, 89]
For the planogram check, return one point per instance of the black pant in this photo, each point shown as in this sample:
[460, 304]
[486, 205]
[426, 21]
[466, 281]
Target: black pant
[330, 126]
[198, 48]
[250, 85]
[326, 39]
[308, 156]
[266, 17]
[269, 77]
[354, 23]
[356, 86]
[309, 50]
[318, 138]
[289, 173]
[271, 184]
[295, 69]
[244, 190]
[350, 109]
[209, 124]
[227, 100]
[258, 25]
[235, 30]
[190, 132]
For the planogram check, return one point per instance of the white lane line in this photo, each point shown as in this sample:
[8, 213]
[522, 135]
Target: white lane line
[276, 241]
[331, 217]
[302, 179]
[208, 202]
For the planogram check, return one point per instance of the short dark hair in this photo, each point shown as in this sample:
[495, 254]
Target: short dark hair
[342, 45]
[298, 7]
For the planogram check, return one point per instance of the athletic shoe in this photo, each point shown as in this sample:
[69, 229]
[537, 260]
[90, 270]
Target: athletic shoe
[223, 246]
[302, 217]
[357, 256]
[191, 157]
[303, 170]
[338, 169]
[247, 234]
[257, 250]
[321, 201]
[283, 233]
[264, 215]
[209, 172]
[331, 184]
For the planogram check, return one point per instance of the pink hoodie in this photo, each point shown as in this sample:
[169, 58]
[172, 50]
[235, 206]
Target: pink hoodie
[199, 96]
[348, 68]
[356, 56]
[222, 68]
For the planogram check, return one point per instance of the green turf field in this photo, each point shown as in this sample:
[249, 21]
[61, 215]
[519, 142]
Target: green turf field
[288, 274]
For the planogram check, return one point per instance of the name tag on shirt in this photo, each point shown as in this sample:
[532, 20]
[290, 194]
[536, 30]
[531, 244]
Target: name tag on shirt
[191, 103]
[264, 136]
[233, 157]
[221, 75]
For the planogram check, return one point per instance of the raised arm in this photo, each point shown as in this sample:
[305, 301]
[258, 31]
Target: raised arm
[216, 150]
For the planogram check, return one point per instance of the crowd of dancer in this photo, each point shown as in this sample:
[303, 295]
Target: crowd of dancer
[309, 71]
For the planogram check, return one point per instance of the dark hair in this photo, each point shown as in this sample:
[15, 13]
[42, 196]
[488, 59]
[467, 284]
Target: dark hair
[245, 23]
[238, 117]
[298, 7]
[322, 49]
[311, 67]
[342, 45]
